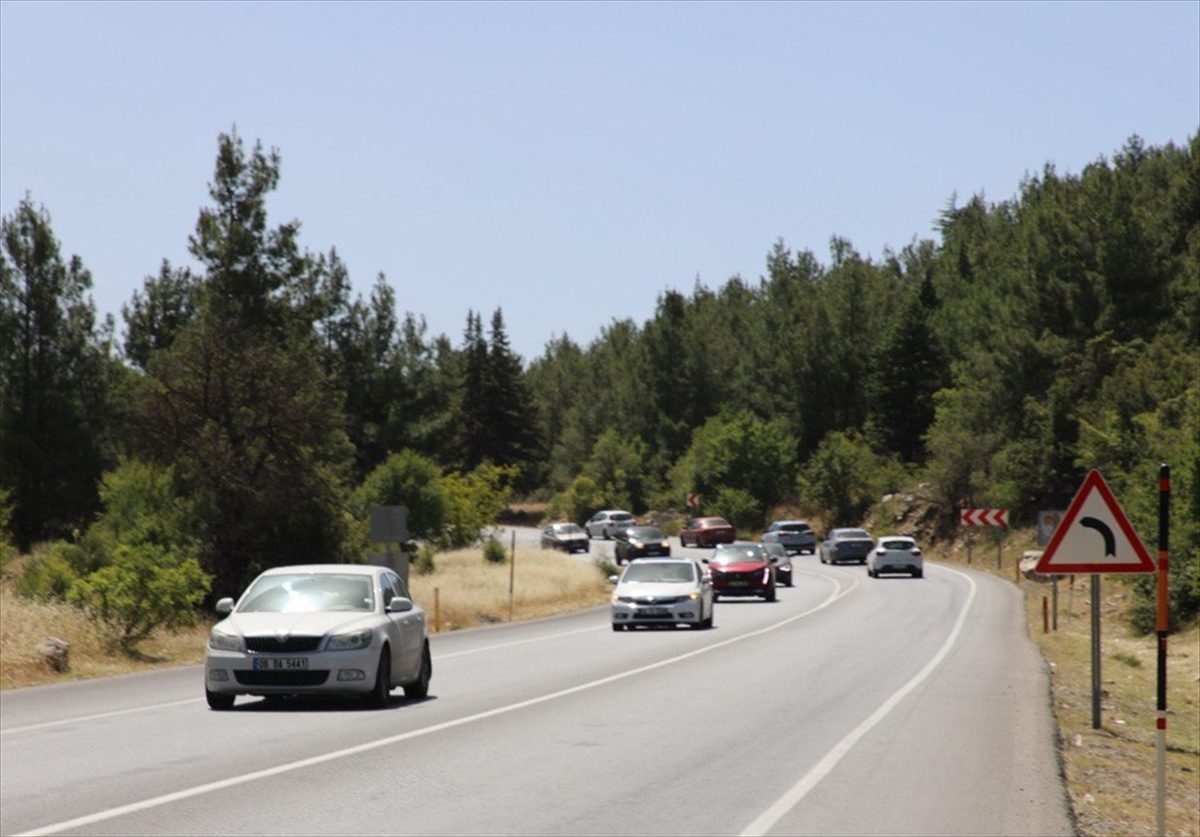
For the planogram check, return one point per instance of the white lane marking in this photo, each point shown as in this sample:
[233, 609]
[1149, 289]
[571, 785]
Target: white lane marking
[484, 648]
[767, 820]
[81, 718]
[198, 790]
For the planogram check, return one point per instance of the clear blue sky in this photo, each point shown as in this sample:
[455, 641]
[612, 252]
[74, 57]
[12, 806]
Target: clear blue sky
[567, 161]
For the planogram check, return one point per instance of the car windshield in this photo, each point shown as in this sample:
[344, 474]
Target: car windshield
[566, 528]
[897, 544]
[646, 572]
[645, 533]
[620, 517]
[731, 554]
[795, 527]
[853, 533]
[714, 521]
[308, 593]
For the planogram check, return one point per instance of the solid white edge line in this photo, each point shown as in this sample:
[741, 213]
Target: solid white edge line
[198, 790]
[81, 718]
[769, 818]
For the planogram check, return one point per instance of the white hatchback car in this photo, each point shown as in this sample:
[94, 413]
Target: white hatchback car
[895, 554]
[662, 591]
[319, 629]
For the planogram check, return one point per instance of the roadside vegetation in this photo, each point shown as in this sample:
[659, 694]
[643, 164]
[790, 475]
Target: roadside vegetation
[252, 407]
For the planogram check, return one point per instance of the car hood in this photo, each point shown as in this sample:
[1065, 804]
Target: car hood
[295, 624]
[657, 589]
[737, 566]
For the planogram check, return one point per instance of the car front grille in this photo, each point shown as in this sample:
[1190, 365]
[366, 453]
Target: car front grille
[282, 645]
[659, 600]
[281, 678]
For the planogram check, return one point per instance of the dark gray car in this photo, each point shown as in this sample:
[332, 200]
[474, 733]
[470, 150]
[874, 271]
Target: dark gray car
[847, 545]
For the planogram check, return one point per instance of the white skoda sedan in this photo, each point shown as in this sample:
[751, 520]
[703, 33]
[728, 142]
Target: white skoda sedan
[319, 629]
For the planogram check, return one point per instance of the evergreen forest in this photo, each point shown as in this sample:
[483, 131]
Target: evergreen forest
[250, 401]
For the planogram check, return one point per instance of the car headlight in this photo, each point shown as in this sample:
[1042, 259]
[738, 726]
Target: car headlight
[349, 642]
[693, 596]
[220, 641]
[666, 543]
[636, 544]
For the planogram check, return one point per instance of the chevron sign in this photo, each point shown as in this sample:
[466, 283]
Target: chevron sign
[983, 517]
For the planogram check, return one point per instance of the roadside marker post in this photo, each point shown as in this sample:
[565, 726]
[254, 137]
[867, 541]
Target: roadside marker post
[987, 517]
[1163, 626]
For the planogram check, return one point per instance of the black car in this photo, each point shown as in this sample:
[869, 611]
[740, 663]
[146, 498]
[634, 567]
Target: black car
[565, 536]
[638, 542]
[847, 545]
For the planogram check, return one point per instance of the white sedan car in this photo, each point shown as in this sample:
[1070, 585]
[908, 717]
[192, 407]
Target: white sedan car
[319, 629]
[662, 591]
[603, 524]
[895, 554]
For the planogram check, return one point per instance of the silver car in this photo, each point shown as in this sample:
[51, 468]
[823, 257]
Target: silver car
[662, 591]
[896, 554]
[319, 629]
[604, 523]
[793, 535]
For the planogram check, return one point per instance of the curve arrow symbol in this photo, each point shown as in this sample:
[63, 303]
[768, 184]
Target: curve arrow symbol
[1110, 540]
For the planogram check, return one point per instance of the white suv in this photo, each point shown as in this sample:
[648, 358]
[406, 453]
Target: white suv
[895, 554]
[604, 523]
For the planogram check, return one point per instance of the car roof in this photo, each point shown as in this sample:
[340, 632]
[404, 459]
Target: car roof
[788, 522]
[327, 569]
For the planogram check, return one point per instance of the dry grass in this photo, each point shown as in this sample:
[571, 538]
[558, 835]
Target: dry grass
[1112, 771]
[24, 624]
[471, 592]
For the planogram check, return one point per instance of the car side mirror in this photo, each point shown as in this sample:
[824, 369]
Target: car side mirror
[706, 579]
[612, 579]
[399, 604]
[704, 560]
[224, 606]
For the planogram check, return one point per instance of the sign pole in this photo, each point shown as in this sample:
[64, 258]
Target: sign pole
[512, 572]
[1095, 650]
[1163, 626]
[1054, 599]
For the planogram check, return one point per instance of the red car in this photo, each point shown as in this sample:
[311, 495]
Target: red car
[742, 569]
[707, 531]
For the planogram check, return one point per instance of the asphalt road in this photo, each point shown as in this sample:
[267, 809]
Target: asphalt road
[850, 706]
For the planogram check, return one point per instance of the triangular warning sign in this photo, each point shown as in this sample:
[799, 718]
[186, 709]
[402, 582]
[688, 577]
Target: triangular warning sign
[1095, 536]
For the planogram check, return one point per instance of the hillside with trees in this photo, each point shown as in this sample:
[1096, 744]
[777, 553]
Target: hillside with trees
[252, 404]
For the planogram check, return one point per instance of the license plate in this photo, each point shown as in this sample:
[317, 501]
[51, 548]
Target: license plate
[739, 584]
[653, 611]
[280, 663]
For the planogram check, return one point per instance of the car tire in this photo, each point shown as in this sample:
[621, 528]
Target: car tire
[770, 594]
[381, 693]
[791, 582]
[218, 701]
[707, 623]
[872, 573]
[419, 688]
[918, 574]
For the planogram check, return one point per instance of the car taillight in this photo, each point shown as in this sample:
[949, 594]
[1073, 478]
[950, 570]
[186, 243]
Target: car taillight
[881, 551]
[916, 552]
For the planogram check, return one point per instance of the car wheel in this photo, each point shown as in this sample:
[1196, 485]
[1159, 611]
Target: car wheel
[381, 694]
[218, 701]
[790, 581]
[872, 573]
[918, 574]
[420, 688]
[770, 594]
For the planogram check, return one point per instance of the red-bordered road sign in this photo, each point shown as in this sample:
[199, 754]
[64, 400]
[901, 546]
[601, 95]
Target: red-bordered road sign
[1095, 536]
[983, 517]
[693, 500]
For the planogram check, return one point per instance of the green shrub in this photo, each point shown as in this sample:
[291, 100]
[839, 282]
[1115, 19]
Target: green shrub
[474, 501]
[423, 563]
[738, 507]
[407, 479]
[48, 575]
[606, 567]
[143, 588]
[581, 499]
[494, 552]
[1183, 597]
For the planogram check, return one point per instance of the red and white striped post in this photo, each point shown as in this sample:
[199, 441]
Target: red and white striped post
[1163, 626]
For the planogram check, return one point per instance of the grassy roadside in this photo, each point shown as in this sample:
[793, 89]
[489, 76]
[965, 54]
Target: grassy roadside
[1111, 772]
[470, 592]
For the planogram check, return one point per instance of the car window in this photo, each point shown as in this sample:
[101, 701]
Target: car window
[726, 554]
[622, 517]
[645, 533]
[852, 533]
[795, 527]
[308, 593]
[717, 521]
[653, 572]
[897, 544]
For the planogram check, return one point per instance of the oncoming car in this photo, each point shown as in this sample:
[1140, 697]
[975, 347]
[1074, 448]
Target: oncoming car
[742, 569]
[604, 523]
[565, 536]
[319, 629]
[662, 591]
[896, 554]
[639, 542]
[782, 561]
